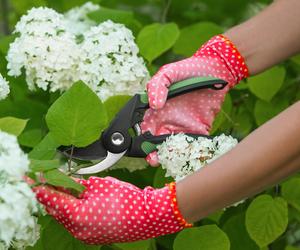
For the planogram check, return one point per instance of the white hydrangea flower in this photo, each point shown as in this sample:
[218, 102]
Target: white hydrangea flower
[4, 88]
[107, 60]
[223, 144]
[182, 155]
[40, 21]
[110, 64]
[77, 19]
[18, 205]
[13, 162]
[47, 52]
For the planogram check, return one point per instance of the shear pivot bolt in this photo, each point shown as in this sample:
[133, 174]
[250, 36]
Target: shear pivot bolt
[117, 138]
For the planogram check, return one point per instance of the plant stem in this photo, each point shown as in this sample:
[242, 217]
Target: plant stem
[70, 159]
[75, 169]
[4, 7]
[165, 10]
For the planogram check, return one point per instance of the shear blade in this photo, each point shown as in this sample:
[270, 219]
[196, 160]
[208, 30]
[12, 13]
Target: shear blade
[110, 160]
[94, 151]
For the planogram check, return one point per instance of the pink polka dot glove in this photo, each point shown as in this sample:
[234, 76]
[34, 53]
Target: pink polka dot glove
[193, 112]
[111, 211]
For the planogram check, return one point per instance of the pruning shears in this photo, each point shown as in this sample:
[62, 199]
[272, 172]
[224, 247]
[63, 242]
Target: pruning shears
[117, 140]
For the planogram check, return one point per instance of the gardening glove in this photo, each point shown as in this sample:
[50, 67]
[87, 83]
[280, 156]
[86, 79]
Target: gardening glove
[193, 112]
[111, 211]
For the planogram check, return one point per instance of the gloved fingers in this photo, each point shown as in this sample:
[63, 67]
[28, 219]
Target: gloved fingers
[168, 74]
[189, 113]
[157, 89]
[54, 199]
[152, 159]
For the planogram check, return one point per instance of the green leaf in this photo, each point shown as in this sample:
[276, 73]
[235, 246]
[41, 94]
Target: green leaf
[266, 219]
[114, 104]
[30, 138]
[243, 122]
[117, 16]
[12, 125]
[57, 178]
[296, 59]
[77, 117]
[268, 83]
[294, 214]
[193, 36]
[159, 179]
[241, 86]
[26, 108]
[155, 39]
[291, 248]
[45, 150]
[291, 192]
[264, 111]
[43, 165]
[216, 216]
[130, 163]
[208, 237]
[56, 237]
[165, 242]
[138, 245]
[236, 231]
[223, 115]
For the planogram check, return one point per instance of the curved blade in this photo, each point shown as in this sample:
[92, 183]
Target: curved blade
[110, 160]
[94, 151]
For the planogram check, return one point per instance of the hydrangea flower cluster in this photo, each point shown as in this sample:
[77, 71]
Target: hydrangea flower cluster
[4, 88]
[18, 205]
[48, 49]
[77, 20]
[182, 155]
[110, 65]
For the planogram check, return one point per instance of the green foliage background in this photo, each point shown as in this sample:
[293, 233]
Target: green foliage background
[165, 31]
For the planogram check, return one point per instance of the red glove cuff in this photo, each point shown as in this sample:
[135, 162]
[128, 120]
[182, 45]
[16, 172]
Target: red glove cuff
[227, 51]
[174, 205]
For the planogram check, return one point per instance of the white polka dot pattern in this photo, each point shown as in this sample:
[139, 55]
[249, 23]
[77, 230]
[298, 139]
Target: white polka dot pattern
[193, 112]
[110, 211]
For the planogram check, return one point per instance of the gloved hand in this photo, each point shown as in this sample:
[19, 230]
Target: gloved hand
[193, 112]
[111, 211]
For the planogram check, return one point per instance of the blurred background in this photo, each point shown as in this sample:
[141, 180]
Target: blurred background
[224, 13]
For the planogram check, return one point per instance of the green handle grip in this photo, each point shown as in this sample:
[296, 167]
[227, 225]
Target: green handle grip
[148, 147]
[189, 85]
